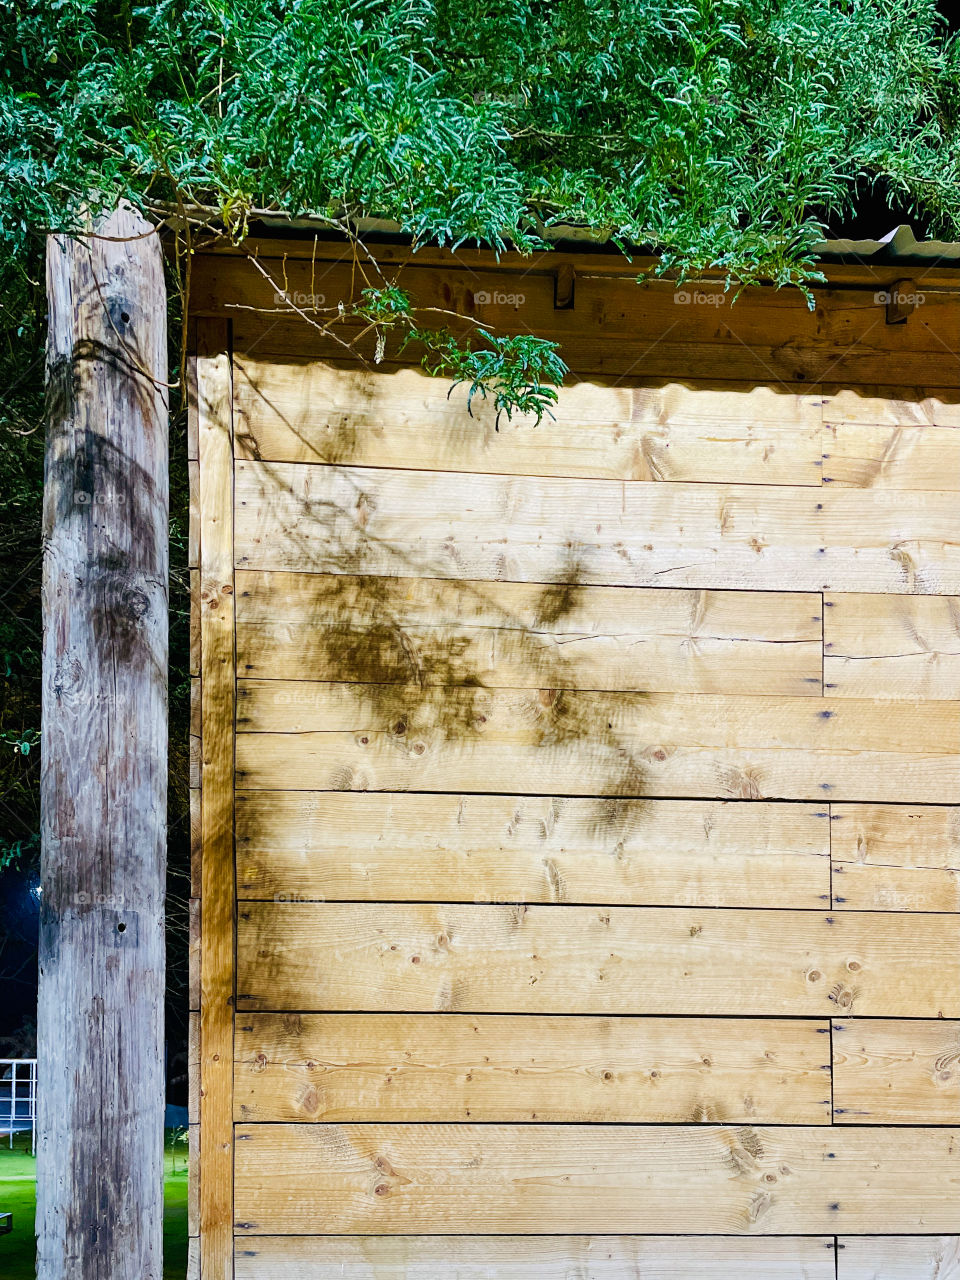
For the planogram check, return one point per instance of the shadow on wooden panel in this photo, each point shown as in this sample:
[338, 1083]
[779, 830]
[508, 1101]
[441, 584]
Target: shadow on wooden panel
[405, 683]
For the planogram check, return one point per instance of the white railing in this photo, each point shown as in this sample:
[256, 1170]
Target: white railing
[18, 1098]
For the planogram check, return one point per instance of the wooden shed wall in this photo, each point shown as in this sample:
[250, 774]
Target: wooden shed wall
[578, 809]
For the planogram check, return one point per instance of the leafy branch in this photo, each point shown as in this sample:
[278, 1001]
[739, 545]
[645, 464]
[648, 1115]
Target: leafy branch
[520, 372]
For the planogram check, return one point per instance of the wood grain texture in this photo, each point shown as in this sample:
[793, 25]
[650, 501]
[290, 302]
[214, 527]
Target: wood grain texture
[193, 526]
[536, 1258]
[890, 406]
[367, 520]
[103, 757]
[621, 603]
[196, 841]
[906, 457]
[196, 709]
[193, 1066]
[898, 1258]
[284, 249]
[383, 847]
[895, 857]
[622, 308]
[193, 1181]
[448, 1179]
[490, 959]
[660, 357]
[897, 649]
[390, 1067]
[632, 329]
[218, 686]
[525, 635]
[194, 622]
[192, 406]
[308, 735]
[296, 707]
[889, 1072]
[193, 954]
[317, 412]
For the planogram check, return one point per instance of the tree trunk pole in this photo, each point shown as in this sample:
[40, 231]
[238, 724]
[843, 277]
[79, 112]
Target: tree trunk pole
[103, 782]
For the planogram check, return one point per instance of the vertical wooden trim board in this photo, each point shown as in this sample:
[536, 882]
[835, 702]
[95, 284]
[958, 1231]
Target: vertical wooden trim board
[217, 893]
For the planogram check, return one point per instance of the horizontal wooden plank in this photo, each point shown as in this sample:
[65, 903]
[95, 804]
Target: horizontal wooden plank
[896, 1072]
[449, 1179]
[893, 648]
[567, 248]
[313, 411]
[663, 356]
[898, 1258]
[367, 520]
[434, 631]
[709, 720]
[320, 736]
[652, 330]
[380, 957]
[448, 1067]
[535, 1258]
[462, 848]
[890, 406]
[621, 314]
[868, 456]
[895, 857]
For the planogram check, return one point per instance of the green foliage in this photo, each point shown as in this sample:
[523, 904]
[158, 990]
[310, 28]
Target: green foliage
[21, 496]
[720, 132]
[517, 370]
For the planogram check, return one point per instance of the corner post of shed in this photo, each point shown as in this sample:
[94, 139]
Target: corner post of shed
[104, 757]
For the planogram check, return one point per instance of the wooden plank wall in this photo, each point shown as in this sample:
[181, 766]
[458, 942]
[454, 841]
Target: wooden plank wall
[597, 809]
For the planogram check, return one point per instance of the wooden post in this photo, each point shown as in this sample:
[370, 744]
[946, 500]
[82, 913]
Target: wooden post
[104, 758]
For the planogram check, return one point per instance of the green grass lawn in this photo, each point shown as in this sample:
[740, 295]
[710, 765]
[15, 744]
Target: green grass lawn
[17, 1194]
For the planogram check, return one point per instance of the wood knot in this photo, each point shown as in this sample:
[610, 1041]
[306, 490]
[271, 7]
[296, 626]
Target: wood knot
[310, 1101]
[843, 997]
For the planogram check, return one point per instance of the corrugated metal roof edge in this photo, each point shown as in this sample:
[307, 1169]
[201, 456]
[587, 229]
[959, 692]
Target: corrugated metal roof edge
[898, 246]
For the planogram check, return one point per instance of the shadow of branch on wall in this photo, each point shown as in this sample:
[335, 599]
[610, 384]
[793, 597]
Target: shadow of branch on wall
[428, 659]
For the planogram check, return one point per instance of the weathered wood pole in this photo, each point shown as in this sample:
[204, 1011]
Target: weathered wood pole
[103, 785]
